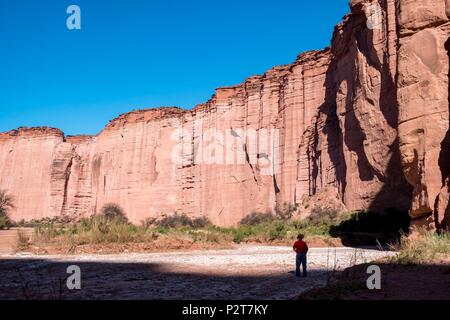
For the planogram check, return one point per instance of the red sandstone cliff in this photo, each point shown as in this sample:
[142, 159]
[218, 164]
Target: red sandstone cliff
[365, 122]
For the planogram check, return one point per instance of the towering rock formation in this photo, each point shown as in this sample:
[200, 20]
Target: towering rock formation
[423, 103]
[364, 122]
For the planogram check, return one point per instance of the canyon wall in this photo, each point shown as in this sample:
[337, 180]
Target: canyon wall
[362, 124]
[423, 103]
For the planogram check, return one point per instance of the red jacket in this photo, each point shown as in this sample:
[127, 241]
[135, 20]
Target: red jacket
[300, 246]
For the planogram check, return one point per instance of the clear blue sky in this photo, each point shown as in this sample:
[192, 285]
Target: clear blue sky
[133, 54]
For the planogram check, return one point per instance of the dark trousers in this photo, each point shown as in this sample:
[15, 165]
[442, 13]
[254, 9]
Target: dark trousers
[300, 260]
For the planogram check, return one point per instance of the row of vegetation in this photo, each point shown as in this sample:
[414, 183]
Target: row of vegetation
[112, 226]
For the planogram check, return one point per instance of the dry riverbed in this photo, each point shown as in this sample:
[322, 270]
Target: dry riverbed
[246, 272]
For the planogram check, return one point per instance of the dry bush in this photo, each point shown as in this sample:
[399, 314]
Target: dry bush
[22, 241]
[113, 211]
[200, 222]
[423, 246]
[148, 223]
[6, 205]
[286, 211]
[256, 218]
[182, 220]
[174, 221]
[322, 216]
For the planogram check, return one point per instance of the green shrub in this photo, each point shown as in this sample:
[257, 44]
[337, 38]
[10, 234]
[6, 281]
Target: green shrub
[162, 230]
[277, 231]
[242, 233]
[239, 236]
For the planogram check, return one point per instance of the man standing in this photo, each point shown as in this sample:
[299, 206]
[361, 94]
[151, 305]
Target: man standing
[301, 249]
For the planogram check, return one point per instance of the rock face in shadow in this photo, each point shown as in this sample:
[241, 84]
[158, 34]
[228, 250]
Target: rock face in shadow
[423, 103]
[365, 121]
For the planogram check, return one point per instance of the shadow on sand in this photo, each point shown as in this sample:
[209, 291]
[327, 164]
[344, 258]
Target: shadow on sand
[41, 279]
[398, 282]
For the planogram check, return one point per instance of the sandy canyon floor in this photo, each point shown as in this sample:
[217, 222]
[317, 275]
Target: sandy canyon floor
[246, 272]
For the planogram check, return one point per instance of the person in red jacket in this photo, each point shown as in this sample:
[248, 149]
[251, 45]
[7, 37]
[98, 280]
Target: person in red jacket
[301, 249]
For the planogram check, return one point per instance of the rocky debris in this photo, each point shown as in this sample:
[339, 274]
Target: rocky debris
[324, 200]
[366, 119]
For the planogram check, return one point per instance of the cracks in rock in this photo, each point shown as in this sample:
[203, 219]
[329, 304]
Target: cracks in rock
[154, 166]
[333, 131]
[444, 155]
[442, 220]
[247, 159]
[409, 32]
[242, 182]
[275, 185]
[67, 174]
[313, 155]
[261, 104]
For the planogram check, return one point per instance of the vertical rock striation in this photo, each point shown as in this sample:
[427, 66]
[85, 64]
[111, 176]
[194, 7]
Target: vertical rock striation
[423, 103]
[364, 122]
